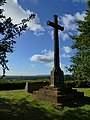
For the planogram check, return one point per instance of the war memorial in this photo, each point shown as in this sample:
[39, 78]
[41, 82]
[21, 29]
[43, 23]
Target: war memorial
[56, 92]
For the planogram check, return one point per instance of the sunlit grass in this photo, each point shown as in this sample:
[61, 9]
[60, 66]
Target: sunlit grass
[85, 90]
[19, 105]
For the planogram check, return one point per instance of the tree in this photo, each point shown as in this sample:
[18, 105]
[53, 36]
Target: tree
[8, 34]
[2, 2]
[80, 66]
[88, 3]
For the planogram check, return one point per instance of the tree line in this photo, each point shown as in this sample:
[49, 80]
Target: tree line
[80, 66]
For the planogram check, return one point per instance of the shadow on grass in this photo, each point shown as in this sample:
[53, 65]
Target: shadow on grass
[78, 102]
[77, 114]
[24, 110]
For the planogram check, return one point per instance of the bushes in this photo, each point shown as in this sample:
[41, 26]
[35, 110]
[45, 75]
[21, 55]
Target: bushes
[83, 84]
[12, 86]
[72, 83]
[78, 83]
[16, 84]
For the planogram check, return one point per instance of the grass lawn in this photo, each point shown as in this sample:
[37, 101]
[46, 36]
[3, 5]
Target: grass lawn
[19, 105]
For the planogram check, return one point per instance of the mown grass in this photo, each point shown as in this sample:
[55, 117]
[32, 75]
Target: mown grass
[85, 90]
[19, 105]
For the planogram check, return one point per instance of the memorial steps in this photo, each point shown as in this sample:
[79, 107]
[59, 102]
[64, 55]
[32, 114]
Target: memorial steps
[59, 96]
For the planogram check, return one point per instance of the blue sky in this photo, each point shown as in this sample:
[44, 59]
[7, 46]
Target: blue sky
[33, 53]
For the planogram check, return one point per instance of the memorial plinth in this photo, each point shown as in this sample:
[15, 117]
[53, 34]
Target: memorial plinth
[61, 96]
[57, 93]
[56, 78]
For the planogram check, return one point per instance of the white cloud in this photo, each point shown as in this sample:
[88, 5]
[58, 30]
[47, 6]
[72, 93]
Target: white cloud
[67, 49]
[50, 65]
[69, 23]
[79, 16]
[32, 66]
[17, 13]
[1, 72]
[63, 35]
[79, 1]
[66, 55]
[63, 68]
[68, 20]
[46, 57]
[18, 73]
[51, 34]
[83, 1]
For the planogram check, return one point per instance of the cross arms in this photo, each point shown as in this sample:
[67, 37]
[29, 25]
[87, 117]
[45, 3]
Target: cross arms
[54, 25]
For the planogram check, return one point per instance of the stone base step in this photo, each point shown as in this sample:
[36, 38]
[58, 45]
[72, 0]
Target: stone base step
[59, 95]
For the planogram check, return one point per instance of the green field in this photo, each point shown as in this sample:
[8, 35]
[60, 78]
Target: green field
[19, 105]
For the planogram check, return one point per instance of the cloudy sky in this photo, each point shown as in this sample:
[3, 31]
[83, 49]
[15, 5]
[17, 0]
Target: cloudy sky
[33, 53]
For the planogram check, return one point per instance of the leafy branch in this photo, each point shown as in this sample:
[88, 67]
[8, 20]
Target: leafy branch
[8, 33]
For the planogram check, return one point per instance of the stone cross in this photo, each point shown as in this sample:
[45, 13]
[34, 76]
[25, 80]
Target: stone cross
[57, 77]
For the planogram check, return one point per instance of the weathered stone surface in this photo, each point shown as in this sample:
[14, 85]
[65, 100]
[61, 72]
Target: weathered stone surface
[57, 93]
[30, 87]
[58, 96]
[57, 76]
